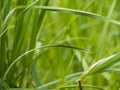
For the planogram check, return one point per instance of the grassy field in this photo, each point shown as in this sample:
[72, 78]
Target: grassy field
[59, 45]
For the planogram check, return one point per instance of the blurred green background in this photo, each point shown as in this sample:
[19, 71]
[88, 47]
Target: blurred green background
[25, 25]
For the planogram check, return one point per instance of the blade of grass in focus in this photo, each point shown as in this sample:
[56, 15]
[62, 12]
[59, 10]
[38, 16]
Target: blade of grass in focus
[77, 12]
[103, 64]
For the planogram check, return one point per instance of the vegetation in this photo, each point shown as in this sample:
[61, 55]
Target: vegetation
[59, 45]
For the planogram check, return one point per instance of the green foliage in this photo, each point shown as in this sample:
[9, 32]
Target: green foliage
[49, 44]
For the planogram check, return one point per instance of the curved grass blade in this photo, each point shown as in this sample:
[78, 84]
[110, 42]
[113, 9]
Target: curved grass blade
[104, 64]
[78, 12]
[73, 11]
[59, 9]
[47, 46]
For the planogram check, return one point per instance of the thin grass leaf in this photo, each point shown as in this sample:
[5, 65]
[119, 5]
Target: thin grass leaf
[58, 9]
[73, 11]
[78, 12]
[112, 69]
[102, 41]
[28, 7]
[10, 14]
[67, 78]
[31, 65]
[5, 85]
[37, 28]
[47, 46]
[103, 64]
[5, 8]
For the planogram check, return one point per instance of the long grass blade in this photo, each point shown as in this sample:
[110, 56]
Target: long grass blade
[78, 12]
[104, 64]
[68, 77]
[26, 53]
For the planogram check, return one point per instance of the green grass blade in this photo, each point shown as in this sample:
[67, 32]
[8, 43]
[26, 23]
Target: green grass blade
[37, 28]
[101, 43]
[67, 78]
[78, 12]
[73, 11]
[11, 13]
[103, 64]
[26, 53]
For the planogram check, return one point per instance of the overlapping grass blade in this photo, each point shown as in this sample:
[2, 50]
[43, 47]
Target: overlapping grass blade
[4, 9]
[27, 64]
[11, 13]
[66, 10]
[37, 25]
[104, 64]
[101, 43]
[26, 53]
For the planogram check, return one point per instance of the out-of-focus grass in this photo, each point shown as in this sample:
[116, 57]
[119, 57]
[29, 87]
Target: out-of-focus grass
[85, 36]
